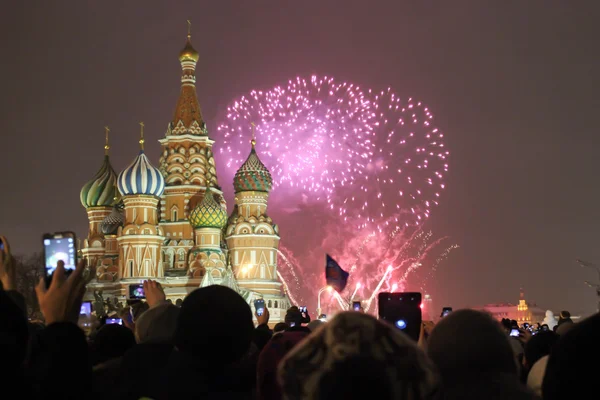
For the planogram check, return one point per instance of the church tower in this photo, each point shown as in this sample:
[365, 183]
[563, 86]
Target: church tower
[252, 237]
[208, 219]
[98, 197]
[141, 238]
[187, 165]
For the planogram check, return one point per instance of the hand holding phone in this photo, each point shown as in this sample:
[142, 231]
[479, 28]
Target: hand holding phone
[59, 247]
[446, 311]
[259, 306]
[114, 321]
[62, 301]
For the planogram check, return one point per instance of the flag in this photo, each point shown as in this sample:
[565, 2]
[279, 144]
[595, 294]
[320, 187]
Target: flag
[336, 277]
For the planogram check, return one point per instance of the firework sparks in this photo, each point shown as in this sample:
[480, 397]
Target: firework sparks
[372, 163]
[368, 155]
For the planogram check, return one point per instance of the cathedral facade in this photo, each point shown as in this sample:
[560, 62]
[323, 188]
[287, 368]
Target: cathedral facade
[170, 223]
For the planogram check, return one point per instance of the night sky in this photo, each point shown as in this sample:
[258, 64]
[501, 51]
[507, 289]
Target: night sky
[514, 84]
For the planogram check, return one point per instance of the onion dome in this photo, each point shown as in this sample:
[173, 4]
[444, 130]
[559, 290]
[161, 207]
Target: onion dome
[141, 178]
[188, 53]
[110, 225]
[208, 213]
[252, 175]
[101, 190]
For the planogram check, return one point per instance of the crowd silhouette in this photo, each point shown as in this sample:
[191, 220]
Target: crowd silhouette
[210, 348]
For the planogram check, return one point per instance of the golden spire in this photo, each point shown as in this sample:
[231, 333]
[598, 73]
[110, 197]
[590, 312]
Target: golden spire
[189, 53]
[142, 136]
[106, 146]
[253, 140]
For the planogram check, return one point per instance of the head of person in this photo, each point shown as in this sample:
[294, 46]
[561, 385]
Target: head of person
[280, 327]
[314, 325]
[111, 341]
[389, 363]
[539, 346]
[14, 333]
[214, 325]
[469, 342]
[572, 370]
[157, 324]
[293, 317]
[269, 359]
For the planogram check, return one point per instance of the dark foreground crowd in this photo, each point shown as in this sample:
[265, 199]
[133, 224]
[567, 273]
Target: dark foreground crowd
[209, 348]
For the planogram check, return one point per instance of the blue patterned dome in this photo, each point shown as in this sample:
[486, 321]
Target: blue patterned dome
[101, 190]
[110, 225]
[141, 177]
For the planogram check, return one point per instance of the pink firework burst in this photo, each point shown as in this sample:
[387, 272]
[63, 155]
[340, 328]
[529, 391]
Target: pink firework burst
[373, 158]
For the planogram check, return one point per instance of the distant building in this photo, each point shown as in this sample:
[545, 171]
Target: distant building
[522, 312]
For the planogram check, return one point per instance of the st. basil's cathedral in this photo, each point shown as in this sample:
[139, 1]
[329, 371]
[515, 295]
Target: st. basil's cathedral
[170, 223]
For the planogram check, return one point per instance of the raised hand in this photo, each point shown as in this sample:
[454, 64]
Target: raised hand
[61, 302]
[264, 318]
[155, 294]
[8, 272]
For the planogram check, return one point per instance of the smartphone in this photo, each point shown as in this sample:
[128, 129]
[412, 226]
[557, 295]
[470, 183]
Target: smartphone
[356, 305]
[514, 332]
[86, 308]
[402, 310]
[59, 246]
[114, 321]
[304, 312]
[137, 292]
[259, 305]
[446, 311]
[292, 324]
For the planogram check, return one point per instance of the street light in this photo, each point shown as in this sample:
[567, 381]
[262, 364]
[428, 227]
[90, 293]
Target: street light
[329, 289]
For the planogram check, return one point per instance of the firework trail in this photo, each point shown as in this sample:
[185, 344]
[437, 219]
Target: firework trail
[365, 167]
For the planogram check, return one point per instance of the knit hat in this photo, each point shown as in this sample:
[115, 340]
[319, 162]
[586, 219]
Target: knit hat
[214, 325]
[375, 351]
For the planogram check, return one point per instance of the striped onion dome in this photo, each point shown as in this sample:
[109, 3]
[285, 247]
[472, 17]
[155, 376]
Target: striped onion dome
[208, 213]
[141, 177]
[110, 225]
[252, 175]
[101, 190]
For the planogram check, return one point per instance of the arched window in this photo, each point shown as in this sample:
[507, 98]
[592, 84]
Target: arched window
[275, 303]
[174, 215]
[269, 304]
[181, 255]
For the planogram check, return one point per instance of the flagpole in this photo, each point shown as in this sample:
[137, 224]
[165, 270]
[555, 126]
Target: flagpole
[324, 288]
[378, 287]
